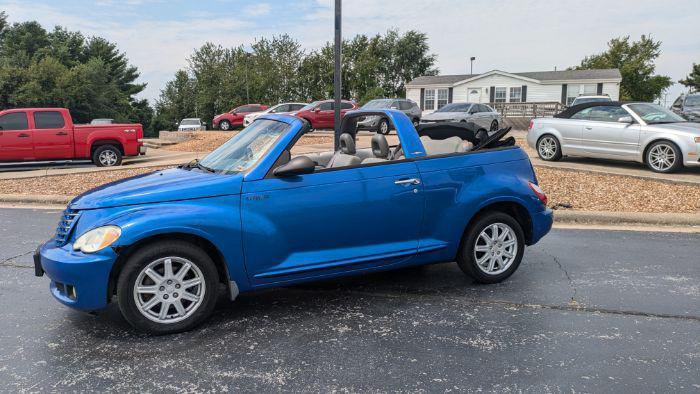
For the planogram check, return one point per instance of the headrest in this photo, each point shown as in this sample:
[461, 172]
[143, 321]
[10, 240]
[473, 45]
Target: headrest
[347, 144]
[380, 146]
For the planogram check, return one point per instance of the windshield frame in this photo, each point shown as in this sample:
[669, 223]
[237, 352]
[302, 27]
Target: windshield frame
[259, 126]
[675, 118]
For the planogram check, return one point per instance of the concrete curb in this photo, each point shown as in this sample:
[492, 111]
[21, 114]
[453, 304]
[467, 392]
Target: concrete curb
[627, 218]
[619, 174]
[34, 199]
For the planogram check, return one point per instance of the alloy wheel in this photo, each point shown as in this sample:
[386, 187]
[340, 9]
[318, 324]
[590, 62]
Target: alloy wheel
[662, 157]
[494, 126]
[383, 127]
[108, 158]
[495, 249]
[547, 148]
[225, 126]
[169, 290]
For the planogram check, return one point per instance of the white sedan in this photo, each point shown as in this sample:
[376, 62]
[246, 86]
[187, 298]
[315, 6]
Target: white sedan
[283, 108]
[192, 124]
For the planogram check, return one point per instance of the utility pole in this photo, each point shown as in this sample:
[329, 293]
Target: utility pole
[337, 80]
[471, 65]
[247, 82]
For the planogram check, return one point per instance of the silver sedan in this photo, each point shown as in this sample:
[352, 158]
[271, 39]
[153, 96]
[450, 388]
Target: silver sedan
[483, 116]
[642, 132]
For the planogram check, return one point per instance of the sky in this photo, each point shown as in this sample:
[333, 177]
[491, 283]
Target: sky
[507, 35]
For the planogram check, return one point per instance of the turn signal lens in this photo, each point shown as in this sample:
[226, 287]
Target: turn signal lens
[97, 239]
[539, 193]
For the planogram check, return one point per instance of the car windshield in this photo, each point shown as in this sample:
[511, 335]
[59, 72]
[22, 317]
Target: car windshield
[455, 107]
[241, 152]
[591, 100]
[375, 104]
[692, 101]
[310, 106]
[655, 114]
[190, 122]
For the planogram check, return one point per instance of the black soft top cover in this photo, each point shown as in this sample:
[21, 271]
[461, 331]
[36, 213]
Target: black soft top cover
[569, 112]
[440, 131]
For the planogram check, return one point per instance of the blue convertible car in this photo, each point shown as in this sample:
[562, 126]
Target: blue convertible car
[255, 213]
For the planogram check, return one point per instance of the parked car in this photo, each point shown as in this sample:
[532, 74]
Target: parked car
[381, 125]
[192, 124]
[251, 216]
[688, 106]
[321, 114]
[234, 117]
[41, 134]
[642, 132]
[284, 108]
[481, 115]
[102, 121]
[590, 99]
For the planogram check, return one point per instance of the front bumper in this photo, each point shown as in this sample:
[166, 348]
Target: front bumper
[78, 280]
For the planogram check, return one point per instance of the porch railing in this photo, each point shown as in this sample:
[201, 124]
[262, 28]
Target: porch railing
[528, 110]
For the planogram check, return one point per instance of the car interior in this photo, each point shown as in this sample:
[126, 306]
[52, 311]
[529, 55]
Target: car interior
[437, 139]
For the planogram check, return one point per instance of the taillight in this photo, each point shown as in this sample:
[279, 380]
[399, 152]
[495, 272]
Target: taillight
[532, 124]
[539, 193]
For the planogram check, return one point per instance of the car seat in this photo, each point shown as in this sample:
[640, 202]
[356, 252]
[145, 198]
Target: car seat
[346, 155]
[380, 150]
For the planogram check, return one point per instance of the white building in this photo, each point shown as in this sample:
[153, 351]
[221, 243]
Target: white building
[433, 92]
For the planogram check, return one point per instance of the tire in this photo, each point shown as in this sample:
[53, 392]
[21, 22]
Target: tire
[192, 310]
[664, 157]
[224, 125]
[475, 239]
[494, 125]
[107, 156]
[549, 148]
[416, 122]
[383, 127]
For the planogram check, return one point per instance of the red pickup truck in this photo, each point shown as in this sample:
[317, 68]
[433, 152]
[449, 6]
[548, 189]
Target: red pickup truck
[40, 134]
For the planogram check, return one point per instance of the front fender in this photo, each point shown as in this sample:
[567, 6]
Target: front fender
[216, 220]
[647, 138]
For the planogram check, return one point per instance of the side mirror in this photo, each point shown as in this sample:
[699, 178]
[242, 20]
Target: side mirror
[297, 166]
[317, 109]
[626, 119]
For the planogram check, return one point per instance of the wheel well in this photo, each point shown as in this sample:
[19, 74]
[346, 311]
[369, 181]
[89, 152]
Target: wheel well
[513, 209]
[126, 252]
[646, 149]
[97, 144]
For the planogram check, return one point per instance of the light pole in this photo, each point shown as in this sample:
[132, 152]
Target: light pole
[471, 65]
[247, 89]
[337, 80]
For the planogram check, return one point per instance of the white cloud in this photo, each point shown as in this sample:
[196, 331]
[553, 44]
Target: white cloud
[259, 9]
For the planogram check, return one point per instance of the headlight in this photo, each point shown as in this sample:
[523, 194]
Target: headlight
[97, 239]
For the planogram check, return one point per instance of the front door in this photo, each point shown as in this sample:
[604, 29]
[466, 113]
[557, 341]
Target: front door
[52, 137]
[15, 137]
[604, 136]
[325, 116]
[474, 95]
[331, 222]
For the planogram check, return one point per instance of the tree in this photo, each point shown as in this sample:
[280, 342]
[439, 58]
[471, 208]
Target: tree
[635, 60]
[693, 79]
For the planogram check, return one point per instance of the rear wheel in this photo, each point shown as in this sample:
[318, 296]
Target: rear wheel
[492, 248]
[548, 148]
[107, 156]
[167, 287]
[225, 125]
[383, 127]
[664, 157]
[416, 122]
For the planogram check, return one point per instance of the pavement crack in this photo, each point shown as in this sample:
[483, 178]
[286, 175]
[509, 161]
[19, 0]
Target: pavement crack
[572, 301]
[12, 263]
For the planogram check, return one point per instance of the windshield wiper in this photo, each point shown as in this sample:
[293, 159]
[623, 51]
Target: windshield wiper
[196, 164]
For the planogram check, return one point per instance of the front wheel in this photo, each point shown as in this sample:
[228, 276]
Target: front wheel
[492, 248]
[664, 157]
[225, 125]
[416, 123]
[494, 125]
[383, 127]
[107, 156]
[167, 287]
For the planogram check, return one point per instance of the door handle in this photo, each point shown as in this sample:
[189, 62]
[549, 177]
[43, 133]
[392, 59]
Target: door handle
[61, 133]
[23, 135]
[411, 181]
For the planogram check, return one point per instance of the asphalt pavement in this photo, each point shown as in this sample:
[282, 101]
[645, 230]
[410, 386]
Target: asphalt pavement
[592, 311]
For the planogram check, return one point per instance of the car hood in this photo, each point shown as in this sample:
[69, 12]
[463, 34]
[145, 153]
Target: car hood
[684, 127]
[160, 186]
[444, 116]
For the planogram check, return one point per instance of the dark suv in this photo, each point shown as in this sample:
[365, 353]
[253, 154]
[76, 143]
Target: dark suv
[688, 106]
[381, 125]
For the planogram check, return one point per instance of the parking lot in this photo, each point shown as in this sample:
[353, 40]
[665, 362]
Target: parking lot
[573, 318]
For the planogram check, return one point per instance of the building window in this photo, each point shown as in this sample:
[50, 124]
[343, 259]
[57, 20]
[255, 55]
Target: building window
[429, 100]
[516, 94]
[443, 98]
[499, 95]
[572, 91]
[590, 89]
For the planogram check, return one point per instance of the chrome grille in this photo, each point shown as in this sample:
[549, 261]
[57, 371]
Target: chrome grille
[65, 225]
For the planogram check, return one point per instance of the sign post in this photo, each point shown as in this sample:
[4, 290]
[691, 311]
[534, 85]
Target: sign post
[337, 80]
